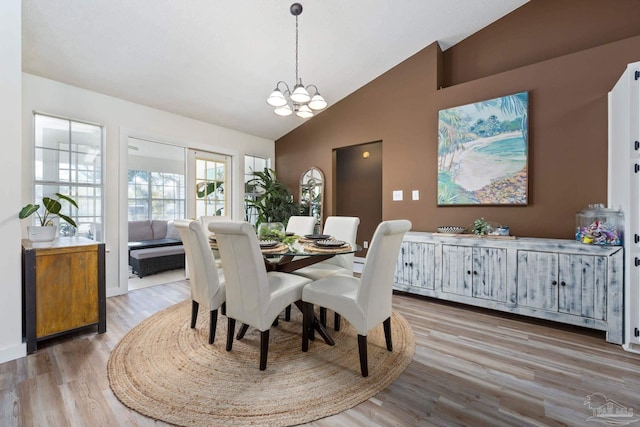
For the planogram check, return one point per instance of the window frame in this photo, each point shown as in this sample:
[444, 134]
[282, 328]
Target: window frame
[90, 205]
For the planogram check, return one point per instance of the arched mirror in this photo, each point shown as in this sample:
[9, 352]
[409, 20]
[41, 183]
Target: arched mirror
[312, 194]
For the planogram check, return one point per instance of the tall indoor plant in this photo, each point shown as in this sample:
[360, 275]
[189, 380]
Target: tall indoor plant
[51, 209]
[273, 202]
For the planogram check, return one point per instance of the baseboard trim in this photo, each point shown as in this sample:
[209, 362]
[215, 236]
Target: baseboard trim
[14, 352]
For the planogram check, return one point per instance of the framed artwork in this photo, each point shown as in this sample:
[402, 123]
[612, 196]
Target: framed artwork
[482, 152]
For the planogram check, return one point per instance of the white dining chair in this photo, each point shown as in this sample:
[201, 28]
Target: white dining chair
[205, 280]
[207, 219]
[366, 301]
[255, 297]
[301, 225]
[342, 228]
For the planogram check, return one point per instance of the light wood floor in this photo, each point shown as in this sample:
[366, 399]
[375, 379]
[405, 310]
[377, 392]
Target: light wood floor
[471, 368]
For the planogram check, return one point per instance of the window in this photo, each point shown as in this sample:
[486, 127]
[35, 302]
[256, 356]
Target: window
[252, 164]
[155, 195]
[68, 159]
[212, 184]
[156, 181]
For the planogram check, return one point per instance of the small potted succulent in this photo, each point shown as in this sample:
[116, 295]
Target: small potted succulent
[46, 231]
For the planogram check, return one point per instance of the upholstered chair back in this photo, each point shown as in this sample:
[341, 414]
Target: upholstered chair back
[204, 276]
[301, 225]
[245, 274]
[376, 282]
[342, 228]
[206, 219]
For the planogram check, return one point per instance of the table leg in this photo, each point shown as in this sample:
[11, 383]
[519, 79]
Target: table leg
[317, 326]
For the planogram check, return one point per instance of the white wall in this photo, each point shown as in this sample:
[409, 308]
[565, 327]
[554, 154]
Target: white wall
[11, 346]
[123, 119]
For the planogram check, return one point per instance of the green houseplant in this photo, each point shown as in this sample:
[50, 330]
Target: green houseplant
[51, 209]
[273, 201]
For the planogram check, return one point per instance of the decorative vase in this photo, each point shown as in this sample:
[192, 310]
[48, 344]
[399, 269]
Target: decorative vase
[38, 233]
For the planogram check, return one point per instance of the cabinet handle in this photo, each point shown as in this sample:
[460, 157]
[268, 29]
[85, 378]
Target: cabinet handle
[563, 284]
[475, 272]
[554, 283]
[636, 168]
[636, 238]
[469, 272]
[636, 145]
[636, 262]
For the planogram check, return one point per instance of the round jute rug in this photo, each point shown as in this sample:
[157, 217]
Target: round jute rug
[167, 371]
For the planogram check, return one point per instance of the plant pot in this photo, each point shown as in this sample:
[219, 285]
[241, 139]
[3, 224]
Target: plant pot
[39, 233]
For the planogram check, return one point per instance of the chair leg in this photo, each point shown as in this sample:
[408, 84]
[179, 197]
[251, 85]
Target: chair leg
[336, 322]
[231, 326]
[307, 324]
[323, 317]
[264, 349]
[213, 322]
[242, 331]
[387, 333]
[362, 348]
[287, 313]
[223, 308]
[194, 313]
[275, 322]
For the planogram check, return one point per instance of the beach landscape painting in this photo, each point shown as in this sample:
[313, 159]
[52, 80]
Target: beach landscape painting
[482, 152]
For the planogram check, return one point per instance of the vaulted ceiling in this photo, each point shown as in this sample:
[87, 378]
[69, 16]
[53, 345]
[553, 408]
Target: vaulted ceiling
[217, 61]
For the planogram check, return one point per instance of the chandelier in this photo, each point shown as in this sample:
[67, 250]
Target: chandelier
[302, 100]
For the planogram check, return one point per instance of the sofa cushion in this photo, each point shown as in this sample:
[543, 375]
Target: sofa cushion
[172, 231]
[140, 230]
[159, 227]
[157, 252]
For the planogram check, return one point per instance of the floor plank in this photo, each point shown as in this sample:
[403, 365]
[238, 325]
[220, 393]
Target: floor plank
[472, 367]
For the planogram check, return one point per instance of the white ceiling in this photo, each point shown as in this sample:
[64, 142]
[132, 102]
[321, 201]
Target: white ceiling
[217, 61]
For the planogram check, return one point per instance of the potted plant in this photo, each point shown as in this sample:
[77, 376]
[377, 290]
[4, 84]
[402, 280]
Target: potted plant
[46, 231]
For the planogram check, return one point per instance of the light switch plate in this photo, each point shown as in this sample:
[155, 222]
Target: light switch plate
[415, 195]
[397, 195]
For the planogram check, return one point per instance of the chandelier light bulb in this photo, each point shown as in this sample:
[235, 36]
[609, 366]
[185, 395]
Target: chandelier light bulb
[276, 99]
[304, 111]
[283, 111]
[317, 102]
[300, 94]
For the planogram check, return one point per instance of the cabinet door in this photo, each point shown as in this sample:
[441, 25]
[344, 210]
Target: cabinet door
[415, 267]
[583, 285]
[457, 264]
[489, 274]
[538, 280]
[67, 292]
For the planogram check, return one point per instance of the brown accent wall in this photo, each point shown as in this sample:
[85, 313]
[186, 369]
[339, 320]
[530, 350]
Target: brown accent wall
[567, 53]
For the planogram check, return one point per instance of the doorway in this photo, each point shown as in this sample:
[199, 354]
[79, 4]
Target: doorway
[357, 187]
[155, 191]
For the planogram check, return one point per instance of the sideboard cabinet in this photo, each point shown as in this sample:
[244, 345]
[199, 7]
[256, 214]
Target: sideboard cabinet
[560, 280]
[63, 288]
